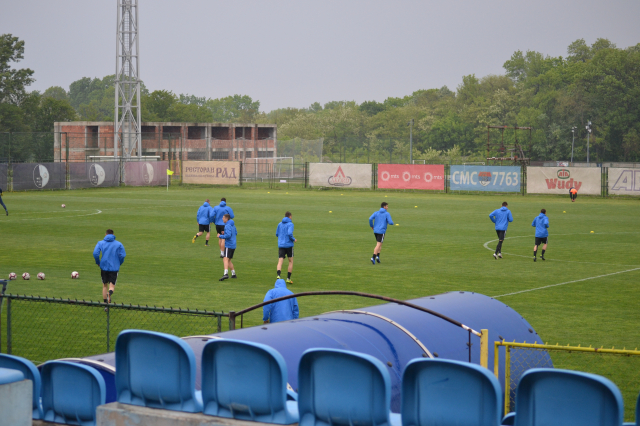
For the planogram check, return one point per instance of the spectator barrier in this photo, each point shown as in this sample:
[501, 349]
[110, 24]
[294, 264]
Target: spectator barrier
[211, 173]
[89, 175]
[558, 180]
[411, 176]
[39, 176]
[345, 175]
[624, 181]
[486, 178]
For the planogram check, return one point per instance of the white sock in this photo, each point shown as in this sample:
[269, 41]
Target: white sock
[226, 272]
[233, 272]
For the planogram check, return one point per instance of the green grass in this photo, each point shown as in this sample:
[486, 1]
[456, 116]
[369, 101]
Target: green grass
[438, 247]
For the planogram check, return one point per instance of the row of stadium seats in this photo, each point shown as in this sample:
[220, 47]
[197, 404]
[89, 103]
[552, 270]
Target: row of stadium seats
[248, 381]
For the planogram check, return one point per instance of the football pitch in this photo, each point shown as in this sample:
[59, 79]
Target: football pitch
[586, 292]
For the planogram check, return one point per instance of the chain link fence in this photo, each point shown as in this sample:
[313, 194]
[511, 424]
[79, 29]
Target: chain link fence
[41, 328]
[622, 367]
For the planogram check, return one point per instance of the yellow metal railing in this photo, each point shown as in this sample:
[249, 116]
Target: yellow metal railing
[510, 346]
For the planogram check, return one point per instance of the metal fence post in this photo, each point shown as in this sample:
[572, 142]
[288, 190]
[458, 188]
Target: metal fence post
[232, 320]
[507, 379]
[9, 326]
[219, 323]
[108, 330]
[484, 348]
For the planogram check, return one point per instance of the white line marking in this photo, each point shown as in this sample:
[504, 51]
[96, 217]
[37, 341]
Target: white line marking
[486, 245]
[568, 282]
[64, 217]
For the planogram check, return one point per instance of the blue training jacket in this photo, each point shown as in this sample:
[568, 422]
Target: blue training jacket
[280, 311]
[205, 214]
[501, 217]
[113, 253]
[219, 211]
[541, 223]
[229, 235]
[379, 220]
[284, 232]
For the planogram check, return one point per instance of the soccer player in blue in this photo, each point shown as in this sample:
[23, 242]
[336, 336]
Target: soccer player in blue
[218, 212]
[541, 223]
[229, 237]
[204, 217]
[501, 217]
[113, 255]
[378, 222]
[284, 232]
[279, 311]
[5, 207]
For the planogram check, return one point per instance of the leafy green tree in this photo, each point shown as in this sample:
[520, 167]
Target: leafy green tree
[13, 82]
[56, 92]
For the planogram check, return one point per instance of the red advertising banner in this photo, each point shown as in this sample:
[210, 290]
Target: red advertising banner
[411, 176]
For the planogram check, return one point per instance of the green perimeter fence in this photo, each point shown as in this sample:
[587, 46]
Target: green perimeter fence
[44, 328]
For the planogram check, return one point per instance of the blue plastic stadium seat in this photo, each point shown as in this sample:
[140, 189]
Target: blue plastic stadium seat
[71, 393]
[156, 370]
[337, 387]
[637, 423]
[8, 376]
[548, 396]
[509, 419]
[246, 381]
[445, 392]
[30, 372]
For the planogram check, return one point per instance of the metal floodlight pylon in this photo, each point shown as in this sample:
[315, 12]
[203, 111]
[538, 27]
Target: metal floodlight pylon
[127, 123]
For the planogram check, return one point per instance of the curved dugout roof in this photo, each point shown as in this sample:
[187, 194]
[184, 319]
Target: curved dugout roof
[393, 333]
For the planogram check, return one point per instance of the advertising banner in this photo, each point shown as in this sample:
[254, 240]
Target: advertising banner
[39, 176]
[624, 181]
[145, 173]
[411, 176]
[485, 178]
[211, 172]
[90, 175]
[4, 170]
[341, 175]
[558, 180]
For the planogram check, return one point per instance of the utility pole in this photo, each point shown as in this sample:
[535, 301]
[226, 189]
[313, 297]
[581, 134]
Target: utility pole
[410, 124]
[573, 139]
[588, 127]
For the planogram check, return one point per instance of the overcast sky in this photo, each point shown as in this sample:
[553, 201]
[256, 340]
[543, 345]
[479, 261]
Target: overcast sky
[294, 53]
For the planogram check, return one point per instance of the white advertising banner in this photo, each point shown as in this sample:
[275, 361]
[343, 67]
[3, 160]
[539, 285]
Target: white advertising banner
[211, 172]
[342, 175]
[558, 180]
[624, 181]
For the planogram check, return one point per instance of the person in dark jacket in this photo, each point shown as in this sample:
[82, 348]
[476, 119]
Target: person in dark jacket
[113, 255]
[501, 217]
[204, 217]
[229, 236]
[541, 223]
[1, 202]
[218, 212]
[378, 222]
[280, 311]
[284, 232]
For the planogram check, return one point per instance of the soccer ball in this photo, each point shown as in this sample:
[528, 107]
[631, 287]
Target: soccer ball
[63, 206]
[12, 276]
[41, 275]
[26, 276]
[75, 275]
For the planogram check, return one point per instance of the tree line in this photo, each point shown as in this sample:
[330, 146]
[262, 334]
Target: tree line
[553, 95]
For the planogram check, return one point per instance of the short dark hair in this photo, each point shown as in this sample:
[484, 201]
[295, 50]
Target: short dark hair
[383, 204]
[223, 199]
[504, 204]
[228, 216]
[287, 214]
[206, 201]
[110, 231]
[543, 211]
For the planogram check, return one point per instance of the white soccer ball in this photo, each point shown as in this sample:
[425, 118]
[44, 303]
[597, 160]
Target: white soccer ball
[12, 276]
[41, 275]
[63, 206]
[75, 275]
[26, 276]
